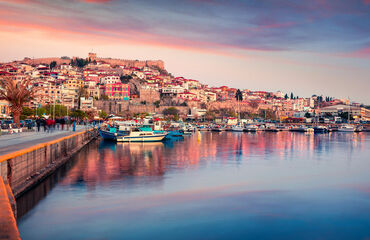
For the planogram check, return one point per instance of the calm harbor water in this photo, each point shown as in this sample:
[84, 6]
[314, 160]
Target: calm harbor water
[208, 186]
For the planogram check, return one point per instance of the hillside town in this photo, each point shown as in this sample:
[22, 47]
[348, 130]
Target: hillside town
[98, 87]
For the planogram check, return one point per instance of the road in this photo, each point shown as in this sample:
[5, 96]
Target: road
[17, 141]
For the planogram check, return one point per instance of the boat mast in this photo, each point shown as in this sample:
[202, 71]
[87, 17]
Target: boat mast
[349, 111]
[151, 103]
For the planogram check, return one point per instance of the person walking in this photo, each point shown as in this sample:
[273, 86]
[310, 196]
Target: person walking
[62, 122]
[49, 124]
[74, 125]
[43, 123]
[57, 122]
[38, 124]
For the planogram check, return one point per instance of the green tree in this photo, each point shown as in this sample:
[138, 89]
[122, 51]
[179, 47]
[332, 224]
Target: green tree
[291, 96]
[171, 111]
[157, 103]
[79, 114]
[125, 78]
[307, 115]
[41, 111]
[50, 109]
[53, 64]
[26, 111]
[79, 62]
[286, 96]
[16, 93]
[239, 95]
[103, 114]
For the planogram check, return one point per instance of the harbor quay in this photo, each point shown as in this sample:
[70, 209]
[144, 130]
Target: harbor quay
[28, 158]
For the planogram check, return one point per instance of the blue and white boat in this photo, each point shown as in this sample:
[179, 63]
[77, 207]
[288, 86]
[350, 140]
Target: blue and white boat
[108, 134]
[112, 132]
[173, 134]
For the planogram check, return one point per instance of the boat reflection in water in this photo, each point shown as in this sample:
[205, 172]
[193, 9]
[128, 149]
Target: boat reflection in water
[209, 185]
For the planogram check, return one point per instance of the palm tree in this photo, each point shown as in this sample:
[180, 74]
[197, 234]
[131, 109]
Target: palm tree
[16, 93]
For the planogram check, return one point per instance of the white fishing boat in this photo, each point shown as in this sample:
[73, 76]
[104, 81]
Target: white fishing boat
[142, 136]
[346, 128]
[237, 128]
[301, 128]
[271, 128]
[251, 128]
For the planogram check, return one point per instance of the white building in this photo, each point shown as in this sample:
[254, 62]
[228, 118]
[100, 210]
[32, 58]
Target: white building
[87, 103]
[111, 79]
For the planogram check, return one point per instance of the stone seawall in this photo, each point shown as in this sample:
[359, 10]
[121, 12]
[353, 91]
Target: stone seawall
[25, 168]
[8, 224]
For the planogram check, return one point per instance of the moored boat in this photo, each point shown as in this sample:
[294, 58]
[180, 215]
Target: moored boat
[320, 129]
[217, 128]
[142, 136]
[251, 128]
[271, 128]
[237, 128]
[111, 133]
[359, 128]
[346, 128]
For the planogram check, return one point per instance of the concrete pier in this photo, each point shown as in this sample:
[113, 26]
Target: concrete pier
[22, 169]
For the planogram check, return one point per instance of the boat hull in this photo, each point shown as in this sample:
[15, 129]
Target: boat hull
[154, 138]
[346, 130]
[174, 134]
[106, 135]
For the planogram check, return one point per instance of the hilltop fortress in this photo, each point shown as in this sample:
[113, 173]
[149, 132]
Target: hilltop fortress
[93, 56]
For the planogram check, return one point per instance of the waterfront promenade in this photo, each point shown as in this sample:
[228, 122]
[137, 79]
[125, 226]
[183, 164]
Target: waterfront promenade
[13, 142]
[26, 158]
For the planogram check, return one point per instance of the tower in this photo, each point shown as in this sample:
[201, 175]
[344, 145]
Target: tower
[92, 56]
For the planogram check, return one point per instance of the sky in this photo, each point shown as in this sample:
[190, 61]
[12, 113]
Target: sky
[306, 47]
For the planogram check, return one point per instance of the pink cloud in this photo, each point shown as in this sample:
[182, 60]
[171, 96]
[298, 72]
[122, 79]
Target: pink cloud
[73, 29]
[361, 53]
[366, 2]
[96, 1]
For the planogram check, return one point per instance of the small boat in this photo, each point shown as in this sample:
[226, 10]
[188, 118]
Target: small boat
[237, 128]
[271, 128]
[251, 128]
[190, 128]
[142, 136]
[359, 128]
[300, 129]
[111, 133]
[174, 134]
[346, 128]
[203, 128]
[320, 129]
[283, 128]
[217, 128]
[107, 134]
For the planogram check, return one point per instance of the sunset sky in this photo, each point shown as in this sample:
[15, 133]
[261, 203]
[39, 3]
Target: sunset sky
[301, 46]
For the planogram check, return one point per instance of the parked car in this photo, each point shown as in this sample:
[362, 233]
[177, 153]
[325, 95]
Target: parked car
[30, 123]
[5, 123]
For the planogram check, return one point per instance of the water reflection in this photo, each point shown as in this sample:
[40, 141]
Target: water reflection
[109, 179]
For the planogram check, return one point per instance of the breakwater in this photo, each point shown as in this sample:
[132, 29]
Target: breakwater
[21, 170]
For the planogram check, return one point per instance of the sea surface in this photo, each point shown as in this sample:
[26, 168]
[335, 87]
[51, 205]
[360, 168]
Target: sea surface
[208, 186]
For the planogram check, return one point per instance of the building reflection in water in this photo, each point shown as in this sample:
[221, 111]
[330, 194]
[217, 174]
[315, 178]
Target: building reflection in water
[101, 162]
